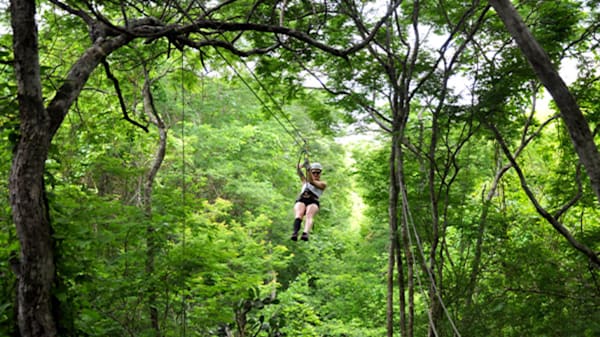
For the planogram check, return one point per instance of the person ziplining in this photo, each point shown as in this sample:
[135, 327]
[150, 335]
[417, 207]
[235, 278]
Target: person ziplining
[307, 203]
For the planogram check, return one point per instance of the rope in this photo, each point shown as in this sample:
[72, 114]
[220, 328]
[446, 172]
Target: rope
[408, 219]
[422, 254]
[304, 152]
[183, 191]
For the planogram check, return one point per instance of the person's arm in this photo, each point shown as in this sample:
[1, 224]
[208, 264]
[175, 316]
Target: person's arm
[317, 183]
[300, 173]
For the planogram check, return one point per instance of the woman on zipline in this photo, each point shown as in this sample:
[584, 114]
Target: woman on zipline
[308, 200]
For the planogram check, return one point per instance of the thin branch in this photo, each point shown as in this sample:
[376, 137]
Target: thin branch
[77, 12]
[381, 120]
[555, 294]
[562, 230]
[120, 96]
[575, 198]
[152, 28]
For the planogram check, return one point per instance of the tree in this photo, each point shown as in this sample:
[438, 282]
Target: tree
[151, 239]
[436, 159]
[179, 23]
[579, 130]
[386, 83]
[427, 93]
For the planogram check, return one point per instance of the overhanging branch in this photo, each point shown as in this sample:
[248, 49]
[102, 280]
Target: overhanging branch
[120, 96]
[593, 256]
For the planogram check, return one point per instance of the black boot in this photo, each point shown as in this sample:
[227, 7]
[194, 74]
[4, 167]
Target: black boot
[297, 223]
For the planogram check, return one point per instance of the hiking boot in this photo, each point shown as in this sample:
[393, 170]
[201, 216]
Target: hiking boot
[297, 223]
[304, 236]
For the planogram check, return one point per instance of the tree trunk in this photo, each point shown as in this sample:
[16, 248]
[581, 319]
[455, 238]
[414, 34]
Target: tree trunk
[152, 245]
[397, 186]
[434, 306]
[401, 288]
[393, 224]
[406, 323]
[409, 316]
[481, 227]
[578, 128]
[36, 265]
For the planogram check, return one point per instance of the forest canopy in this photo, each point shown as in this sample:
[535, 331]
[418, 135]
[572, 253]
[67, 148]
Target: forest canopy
[150, 155]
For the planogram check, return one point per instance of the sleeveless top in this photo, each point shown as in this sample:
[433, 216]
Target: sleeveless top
[312, 189]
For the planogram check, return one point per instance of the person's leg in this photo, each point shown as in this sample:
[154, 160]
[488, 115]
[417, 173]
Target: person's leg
[311, 210]
[299, 211]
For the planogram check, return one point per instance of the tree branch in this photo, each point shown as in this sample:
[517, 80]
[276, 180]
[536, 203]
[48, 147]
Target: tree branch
[78, 76]
[562, 230]
[120, 96]
[153, 28]
[578, 127]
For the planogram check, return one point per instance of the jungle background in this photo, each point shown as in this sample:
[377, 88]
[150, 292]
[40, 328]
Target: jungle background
[171, 181]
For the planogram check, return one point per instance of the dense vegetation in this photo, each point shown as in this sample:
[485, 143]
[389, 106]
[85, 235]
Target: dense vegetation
[183, 229]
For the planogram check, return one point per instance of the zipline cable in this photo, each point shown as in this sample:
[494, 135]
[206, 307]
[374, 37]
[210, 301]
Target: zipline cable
[294, 133]
[296, 130]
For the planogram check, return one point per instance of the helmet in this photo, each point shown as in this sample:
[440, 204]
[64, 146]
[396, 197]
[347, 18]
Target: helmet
[316, 166]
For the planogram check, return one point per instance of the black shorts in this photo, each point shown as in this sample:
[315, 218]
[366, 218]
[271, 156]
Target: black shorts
[308, 199]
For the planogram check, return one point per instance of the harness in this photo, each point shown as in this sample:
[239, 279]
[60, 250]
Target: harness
[309, 190]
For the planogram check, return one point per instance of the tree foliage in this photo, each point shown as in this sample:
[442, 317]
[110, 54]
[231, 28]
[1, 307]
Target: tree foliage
[485, 178]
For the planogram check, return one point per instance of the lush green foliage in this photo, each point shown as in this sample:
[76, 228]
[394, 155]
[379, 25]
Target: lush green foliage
[221, 207]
